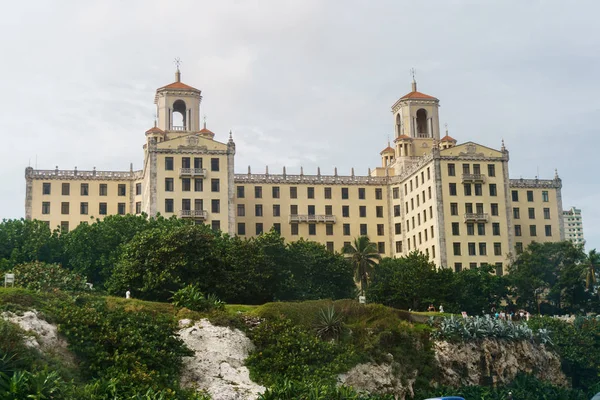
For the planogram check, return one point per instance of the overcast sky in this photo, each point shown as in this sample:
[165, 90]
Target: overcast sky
[306, 82]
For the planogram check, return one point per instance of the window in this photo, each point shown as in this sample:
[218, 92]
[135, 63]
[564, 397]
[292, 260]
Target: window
[482, 249]
[327, 192]
[471, 247]
[412, 204]
[293, 192]
[548, 230]
[294, 209]
[344, 193]
[428, 193]
[531, 213]
[470, 229]
[185, 162]
[259, 228]
[345, 211]
[456, 247]
[453, 208]
[479, 208]
[428, 174]
[311, 210]
[517, 230]
[499, 270]
[198, 204]
[241, 228]
[329, 229]
[519, 247]
[198, 185]
[66, 189]
[532, 230]
[276, 210]
[362, 211]
[240, 192]
[64, 207]
[497, 249]
[258, 210]
[186, 184]
[516, 213]
[169, 205]
[457, 267]
[476, 169]
[379, 211]
[361, 193]
[451, 170]
[258, 192]
[215, 225]
[346, 229]
[398, 228]
[491, 170]
[328, 210]
[85, 189]
[397, 211]
[46, 188]
[168, 163]
[64, 226]
[168, 184]
[46, 207]
[310, 192]
[138, 189]
[186, 204]
[481, 229]
[378, 194]
[380, 230]
[102, 209]
[294, 228]
[121, 208]
[496, 228]
[381, 247]
[329, 246]
[363, 229]
[530, 195]
[455, 228]
[467, 189]
[493, 190]
[472, 265]
[103, 189]
[197, 162]
[545, 196]
[277, 227]
[399, 246]
[241, 210]
[546, 213]
[478, 189]
[215, 185]
[138, 207]
[275, 192]
[494, 208]
[83, 208]
[312, 229]
[515, 195]
[215, 206]
[452, 189]
[214, 164]
[396, 193]
[469, 208]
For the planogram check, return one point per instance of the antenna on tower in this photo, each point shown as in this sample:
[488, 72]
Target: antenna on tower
[414, 82]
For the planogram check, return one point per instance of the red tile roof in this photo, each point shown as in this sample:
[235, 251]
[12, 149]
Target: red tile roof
[417, 95]
[387, 150]
[178, 85]
[206, 131]
[155, 129]
[448, 139]
[402, 137]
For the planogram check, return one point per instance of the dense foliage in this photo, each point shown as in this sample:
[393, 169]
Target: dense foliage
[294, 390]
[41, 276]
[193, 299]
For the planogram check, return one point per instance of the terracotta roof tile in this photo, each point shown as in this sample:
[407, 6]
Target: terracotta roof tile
[155, 129]
[417, 95]
[448, 139]
[178, 85]
[402, 137]
[387, 150]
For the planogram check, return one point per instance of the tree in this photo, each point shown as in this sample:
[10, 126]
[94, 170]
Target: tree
[477, 289]
[364, 256]
[592, 261]
[23, 241]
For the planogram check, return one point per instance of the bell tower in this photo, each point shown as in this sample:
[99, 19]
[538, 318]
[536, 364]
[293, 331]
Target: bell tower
[178, 106]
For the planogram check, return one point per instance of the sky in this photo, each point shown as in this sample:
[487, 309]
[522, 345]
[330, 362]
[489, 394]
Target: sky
[302, 83]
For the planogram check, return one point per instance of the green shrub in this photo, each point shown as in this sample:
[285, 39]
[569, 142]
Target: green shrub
[330, 324]
[295, 390]
[475, 328]
[192, 298]
[45, 277]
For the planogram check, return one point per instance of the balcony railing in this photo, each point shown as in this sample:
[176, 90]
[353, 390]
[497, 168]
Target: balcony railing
[328, 219]
[195, 214]
[197, 172]
[473, 178]
[476, 217]
[178, 128]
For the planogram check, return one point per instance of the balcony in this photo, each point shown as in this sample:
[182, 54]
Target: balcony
[193, 172]
[328, 219]
[194, 214]
[475, 178]
[476, 217]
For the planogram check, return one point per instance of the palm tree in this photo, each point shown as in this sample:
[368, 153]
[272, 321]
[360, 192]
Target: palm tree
[364, 256]
[592, 261]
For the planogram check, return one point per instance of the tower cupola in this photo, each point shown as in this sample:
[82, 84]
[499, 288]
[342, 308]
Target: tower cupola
[178, 106]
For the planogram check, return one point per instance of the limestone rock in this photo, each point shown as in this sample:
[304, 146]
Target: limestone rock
[377, 379]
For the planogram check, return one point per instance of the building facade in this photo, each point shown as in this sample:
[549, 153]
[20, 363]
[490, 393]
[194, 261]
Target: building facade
[573, 226]
[453, 202]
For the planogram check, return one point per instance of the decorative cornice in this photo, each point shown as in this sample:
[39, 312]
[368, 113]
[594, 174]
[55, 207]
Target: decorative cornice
[536, 183]
[310, 179]
[61, 174]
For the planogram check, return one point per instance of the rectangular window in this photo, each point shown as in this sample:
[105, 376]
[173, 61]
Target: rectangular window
[66, 189]
[481, 229]
[345, 211]
[396, 193]
[517, 230]
[121, 208]
[138, 207]
[428, 194]
[381, 247]
[185, 162]
[294, 209]
[258, 192]
[455, 228]
[428, 174]
[168, 163]
[476, 169]
[138, 189]
[548, 230]
[493, 190]
[168, 184]
[310, 192]
[362, 211]
[472, 249]
[215, 185]
[456, 248]
[327, 192]
[399, 246]
[457, 267]
[46, 207]
[470, 229]
[469, 208]
[494, 208]
[452, 189]
[328, 210]
[103, 190]
[85, 189]
[197, 162]
[168, 205]
[64, 226]
[83, 208]
[516, 213]
[241, 228]
[499, 270]
[186, 204]
[241, 210]
[294, 228]
[363, 229]
[472, 265]
[198, 185]
[361, 193]
[311, 209]
[515, 195]
[546, 213]
[398, 228]
[122, 189]
[451, 170]
[293, 192]
[275, 192]
[519, 247]
[530, 195]
[276, 210]
[532, 230]
[214, 164]
[467, 189]
[240, 192]
[496, 228]
[277, 227]
[466, 169]
[329, 246]
[379, 211]
[198, 204]
[545, 196]
[46, 188]
[312, 229]
[329, 229]
[344, 193]
[453, 208]
[102, 209]
[258, 210]
[479, 208]
[380, 230]
[186, 184]
[64, 207]
[397, 211]
[531, 213]
[215, 225]
[215, 206]
[482, 249]
[346, 229]
[491, 170]
[478, 189]
[378, 194]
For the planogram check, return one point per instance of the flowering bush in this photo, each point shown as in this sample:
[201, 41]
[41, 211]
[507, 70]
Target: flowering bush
[46, 277]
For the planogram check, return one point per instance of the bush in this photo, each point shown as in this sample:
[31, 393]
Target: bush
[192, 298]
[45, 277]
[294, 390]
[330, 325]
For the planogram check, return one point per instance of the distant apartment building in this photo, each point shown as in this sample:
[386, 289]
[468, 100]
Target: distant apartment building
[453, 202]
[573, 225]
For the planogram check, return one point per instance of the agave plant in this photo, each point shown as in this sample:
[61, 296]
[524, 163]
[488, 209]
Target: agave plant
[330, 324]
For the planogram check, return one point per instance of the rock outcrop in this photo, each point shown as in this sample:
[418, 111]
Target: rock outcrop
[218, 363]
[378, 379]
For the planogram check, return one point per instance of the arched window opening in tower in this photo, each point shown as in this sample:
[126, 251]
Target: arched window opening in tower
[179, 122]
[422, 130]
[398, 125]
